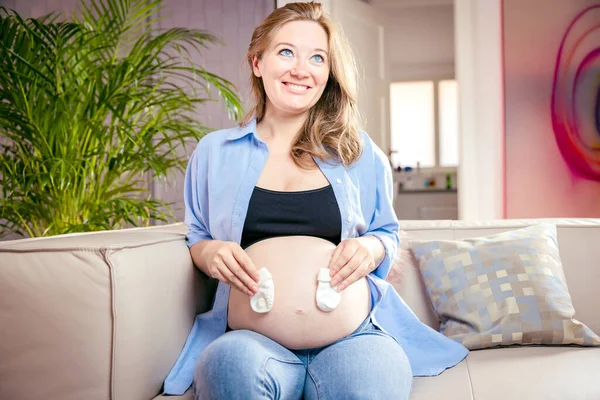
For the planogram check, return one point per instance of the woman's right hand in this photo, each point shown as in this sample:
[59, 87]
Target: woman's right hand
[229, 263]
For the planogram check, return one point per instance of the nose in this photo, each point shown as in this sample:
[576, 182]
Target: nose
[299, 72]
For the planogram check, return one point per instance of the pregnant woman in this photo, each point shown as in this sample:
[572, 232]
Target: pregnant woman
[292, 213]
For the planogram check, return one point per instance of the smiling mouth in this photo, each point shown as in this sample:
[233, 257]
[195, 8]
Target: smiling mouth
[296, 88]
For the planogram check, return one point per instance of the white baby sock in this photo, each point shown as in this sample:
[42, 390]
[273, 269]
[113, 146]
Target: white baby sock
[328, 298]
[262, 301]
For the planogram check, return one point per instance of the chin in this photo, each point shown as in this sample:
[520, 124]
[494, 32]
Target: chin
[292, 111]
[298, 109]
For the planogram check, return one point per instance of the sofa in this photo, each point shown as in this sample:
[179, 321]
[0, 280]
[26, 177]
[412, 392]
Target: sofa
[104, 316]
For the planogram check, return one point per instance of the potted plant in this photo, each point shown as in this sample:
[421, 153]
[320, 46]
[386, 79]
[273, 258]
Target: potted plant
[89, 107]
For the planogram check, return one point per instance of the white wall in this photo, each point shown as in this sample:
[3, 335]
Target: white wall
[419, 42]
[478, 55]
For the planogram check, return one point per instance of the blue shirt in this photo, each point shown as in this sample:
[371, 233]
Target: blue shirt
[220, 178]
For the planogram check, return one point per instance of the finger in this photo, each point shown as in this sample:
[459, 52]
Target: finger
[233, 280]
[343, 258]
[348, 269]
[218, 276]
[350, 252]
[240, 273]
[336, 253]
[246, 262]
[358, 273]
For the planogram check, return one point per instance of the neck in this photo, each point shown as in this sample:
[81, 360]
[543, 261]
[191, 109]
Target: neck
[280, 128]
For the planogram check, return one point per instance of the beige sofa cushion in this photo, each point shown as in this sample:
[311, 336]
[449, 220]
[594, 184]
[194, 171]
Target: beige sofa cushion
[535, 373]
[96, 315]
[519, 372]
[452, 384]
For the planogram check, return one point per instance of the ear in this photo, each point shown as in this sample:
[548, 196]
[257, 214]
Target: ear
[255, 67]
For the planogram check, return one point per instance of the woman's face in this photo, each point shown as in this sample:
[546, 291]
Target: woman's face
[295, 67]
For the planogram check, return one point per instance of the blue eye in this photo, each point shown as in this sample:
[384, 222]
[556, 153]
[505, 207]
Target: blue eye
[320, 58]
[286, 52]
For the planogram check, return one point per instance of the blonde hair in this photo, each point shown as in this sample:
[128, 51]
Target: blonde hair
[331, 128]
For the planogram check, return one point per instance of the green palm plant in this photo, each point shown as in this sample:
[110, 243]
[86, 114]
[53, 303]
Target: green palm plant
[89, 107]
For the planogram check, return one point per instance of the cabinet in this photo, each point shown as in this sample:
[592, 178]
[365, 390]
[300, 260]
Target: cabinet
[425, 204]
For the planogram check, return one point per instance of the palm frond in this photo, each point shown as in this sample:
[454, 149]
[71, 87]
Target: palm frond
[89, 106]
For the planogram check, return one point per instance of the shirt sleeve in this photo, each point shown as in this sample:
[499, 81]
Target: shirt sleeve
[384, 223]
[196, 196]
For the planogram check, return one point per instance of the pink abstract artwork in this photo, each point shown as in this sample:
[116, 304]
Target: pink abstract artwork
[575, 104]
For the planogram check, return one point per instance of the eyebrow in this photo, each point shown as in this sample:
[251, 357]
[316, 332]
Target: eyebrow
[291, 45]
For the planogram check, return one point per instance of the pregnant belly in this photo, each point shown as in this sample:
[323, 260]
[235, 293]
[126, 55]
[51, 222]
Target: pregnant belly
[295, 321]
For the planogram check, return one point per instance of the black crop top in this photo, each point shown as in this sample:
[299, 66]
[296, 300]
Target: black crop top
[307, 213]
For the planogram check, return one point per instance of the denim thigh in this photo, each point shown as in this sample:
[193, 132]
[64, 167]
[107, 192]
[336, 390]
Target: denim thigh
[243, 364]
[368, 364]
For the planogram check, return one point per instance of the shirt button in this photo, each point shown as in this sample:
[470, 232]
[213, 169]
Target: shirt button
[338, 180]
[349, 219]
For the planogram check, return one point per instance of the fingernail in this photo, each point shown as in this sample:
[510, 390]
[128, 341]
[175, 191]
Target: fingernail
[334, 282]
[255, 288]
[341, 287]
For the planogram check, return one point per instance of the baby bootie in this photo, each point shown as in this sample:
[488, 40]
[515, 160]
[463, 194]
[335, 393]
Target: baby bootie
[262, 301]
[328, 298]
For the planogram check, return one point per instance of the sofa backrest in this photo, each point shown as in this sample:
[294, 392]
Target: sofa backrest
[579, 246]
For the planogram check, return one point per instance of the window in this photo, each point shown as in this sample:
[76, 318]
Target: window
[424, 123]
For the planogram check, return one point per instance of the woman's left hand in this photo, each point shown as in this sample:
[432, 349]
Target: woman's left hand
[351, 260]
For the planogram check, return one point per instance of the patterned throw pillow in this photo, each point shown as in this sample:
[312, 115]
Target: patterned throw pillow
[503, 289]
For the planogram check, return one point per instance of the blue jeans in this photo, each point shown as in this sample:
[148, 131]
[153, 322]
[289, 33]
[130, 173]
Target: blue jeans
[242, 364]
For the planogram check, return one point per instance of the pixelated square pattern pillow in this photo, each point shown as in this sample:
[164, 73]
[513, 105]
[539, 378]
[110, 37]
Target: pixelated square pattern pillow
[503, 289]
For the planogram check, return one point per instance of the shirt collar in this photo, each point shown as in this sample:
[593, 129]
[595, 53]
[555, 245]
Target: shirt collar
[240, 132]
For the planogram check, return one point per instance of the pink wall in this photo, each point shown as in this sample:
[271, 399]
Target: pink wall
[539, 182]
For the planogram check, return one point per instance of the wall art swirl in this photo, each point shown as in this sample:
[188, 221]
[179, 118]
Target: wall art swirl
[575, 103]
